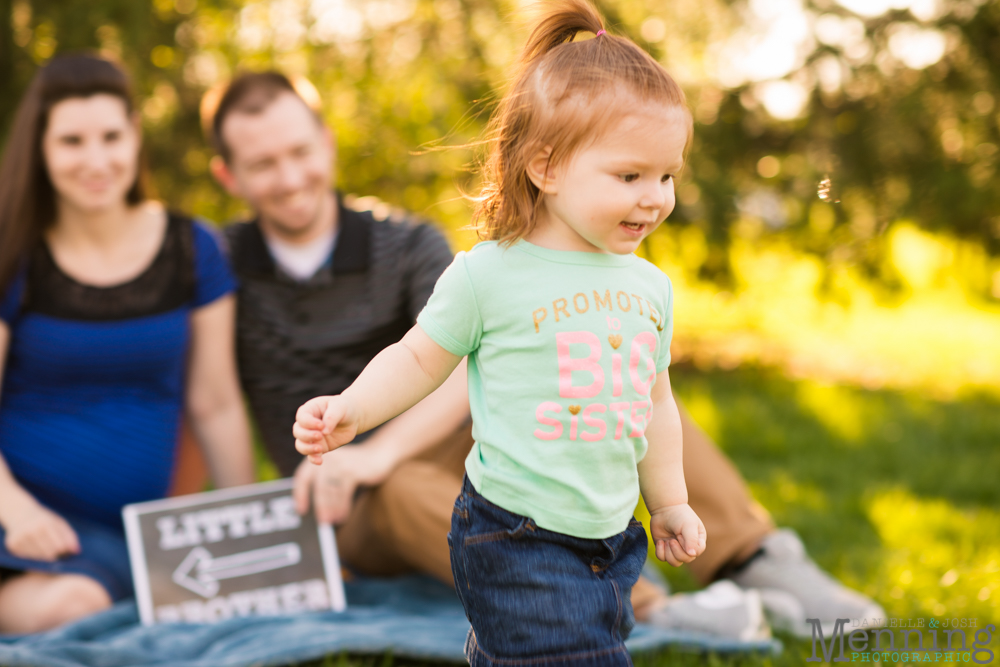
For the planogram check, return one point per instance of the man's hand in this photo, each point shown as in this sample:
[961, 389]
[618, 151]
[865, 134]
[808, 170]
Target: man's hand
[37, 533]
[332, 486]
[678, 532]
[323, 424]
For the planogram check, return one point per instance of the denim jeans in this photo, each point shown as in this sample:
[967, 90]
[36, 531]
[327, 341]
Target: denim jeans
[537, 597]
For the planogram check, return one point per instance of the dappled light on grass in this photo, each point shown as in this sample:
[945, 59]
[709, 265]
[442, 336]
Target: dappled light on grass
[932, 326]
[704, 411]
[901, 504]
[842, 412]
[782, 492]
[940, 560]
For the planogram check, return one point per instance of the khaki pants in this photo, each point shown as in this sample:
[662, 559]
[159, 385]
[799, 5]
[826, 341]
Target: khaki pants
[402, 525]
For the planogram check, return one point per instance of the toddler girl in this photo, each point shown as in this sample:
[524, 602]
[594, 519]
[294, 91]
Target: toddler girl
[568, 339]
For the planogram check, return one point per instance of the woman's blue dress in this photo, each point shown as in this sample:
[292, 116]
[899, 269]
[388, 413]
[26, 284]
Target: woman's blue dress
[93, 390]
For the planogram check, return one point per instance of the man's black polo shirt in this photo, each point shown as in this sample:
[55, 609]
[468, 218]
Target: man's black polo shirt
[297, 340]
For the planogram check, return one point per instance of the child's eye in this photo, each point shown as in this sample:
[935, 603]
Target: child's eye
[666, 177]
[628, 178]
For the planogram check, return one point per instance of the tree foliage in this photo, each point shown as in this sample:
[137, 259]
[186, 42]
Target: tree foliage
[900, 133]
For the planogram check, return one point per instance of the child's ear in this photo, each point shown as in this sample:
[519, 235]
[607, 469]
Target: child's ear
[541, 172]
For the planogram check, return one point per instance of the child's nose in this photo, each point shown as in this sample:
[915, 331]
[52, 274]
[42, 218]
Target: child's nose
[653, 197]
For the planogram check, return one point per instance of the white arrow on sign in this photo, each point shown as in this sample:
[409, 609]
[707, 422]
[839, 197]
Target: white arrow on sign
[200, 572]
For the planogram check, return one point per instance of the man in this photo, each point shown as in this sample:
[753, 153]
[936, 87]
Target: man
[325, 286]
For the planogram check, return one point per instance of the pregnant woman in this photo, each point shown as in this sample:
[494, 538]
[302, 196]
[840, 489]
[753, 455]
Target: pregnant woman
[116, 320]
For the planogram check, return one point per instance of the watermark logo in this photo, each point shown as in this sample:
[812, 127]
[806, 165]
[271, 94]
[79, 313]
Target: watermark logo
[951, 646]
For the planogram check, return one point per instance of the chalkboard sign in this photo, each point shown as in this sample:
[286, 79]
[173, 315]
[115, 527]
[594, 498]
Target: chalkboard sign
[243, 551]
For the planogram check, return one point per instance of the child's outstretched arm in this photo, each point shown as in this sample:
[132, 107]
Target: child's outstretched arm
[677, 531]
[394, 381]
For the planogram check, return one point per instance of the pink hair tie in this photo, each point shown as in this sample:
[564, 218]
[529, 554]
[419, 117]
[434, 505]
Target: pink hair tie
[599, 33]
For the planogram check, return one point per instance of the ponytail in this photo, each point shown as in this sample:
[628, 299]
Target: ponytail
[561, 23]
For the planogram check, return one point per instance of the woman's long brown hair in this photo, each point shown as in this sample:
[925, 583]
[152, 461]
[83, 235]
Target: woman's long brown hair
[563, 93]
[27, 198]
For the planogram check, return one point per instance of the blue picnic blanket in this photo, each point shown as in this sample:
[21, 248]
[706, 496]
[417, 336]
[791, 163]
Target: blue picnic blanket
[412, 617]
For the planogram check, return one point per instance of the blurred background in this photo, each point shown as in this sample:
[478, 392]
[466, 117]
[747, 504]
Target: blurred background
[835, 249]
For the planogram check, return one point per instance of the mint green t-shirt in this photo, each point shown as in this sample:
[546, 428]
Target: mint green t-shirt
[563, 348]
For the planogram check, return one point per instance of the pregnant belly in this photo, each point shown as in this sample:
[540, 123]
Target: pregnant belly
[90, 460]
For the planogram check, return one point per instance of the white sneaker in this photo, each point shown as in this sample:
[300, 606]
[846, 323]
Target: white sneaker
[793, 588]
[722, 610]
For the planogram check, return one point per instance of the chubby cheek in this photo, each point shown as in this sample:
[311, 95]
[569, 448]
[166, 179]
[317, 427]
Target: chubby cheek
[670, 201]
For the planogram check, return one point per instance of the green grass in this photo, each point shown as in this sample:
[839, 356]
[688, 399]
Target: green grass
[893, 492]
[794, 654]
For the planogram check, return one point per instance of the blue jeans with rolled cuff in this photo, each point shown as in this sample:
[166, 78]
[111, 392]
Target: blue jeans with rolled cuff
[538, 597]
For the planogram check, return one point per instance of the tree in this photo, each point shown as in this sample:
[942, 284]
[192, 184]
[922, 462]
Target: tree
[896, 106]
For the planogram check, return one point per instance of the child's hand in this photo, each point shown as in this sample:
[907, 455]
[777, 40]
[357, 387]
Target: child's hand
[323, 424]
[678, 532]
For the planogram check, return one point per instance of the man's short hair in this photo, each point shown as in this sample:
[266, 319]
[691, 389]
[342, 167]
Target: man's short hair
[251, 93]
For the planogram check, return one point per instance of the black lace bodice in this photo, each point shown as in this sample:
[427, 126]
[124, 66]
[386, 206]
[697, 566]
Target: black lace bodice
[167, 283]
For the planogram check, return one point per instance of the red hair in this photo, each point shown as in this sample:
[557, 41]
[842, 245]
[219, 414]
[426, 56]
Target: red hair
[564, 92]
